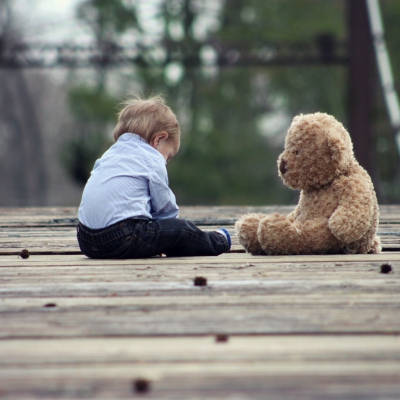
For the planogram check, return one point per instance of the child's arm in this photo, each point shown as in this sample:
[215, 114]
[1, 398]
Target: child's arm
[163, 201]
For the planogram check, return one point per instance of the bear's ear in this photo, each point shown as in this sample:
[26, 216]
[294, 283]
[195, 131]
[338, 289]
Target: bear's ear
[341, 152]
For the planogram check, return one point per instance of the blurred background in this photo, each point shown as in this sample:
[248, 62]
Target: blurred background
[234, 71]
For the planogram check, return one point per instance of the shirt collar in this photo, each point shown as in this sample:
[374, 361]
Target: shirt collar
[137, 138]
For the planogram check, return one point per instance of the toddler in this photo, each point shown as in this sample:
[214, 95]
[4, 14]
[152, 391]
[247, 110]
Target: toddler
[127, 209]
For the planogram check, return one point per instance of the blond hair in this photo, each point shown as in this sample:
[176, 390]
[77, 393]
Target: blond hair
[146, 117]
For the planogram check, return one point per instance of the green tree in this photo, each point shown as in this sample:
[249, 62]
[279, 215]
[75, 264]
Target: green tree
[94, 111]
[224, 159]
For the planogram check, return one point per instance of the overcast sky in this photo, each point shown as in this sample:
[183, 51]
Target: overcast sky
[47, 20]
[54, 20]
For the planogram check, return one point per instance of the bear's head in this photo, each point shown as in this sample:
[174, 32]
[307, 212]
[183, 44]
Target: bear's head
[317, 150]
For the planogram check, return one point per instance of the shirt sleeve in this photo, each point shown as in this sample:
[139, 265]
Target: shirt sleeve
[163, 201]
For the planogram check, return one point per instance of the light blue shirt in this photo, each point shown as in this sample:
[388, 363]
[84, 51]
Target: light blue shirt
[130, 180]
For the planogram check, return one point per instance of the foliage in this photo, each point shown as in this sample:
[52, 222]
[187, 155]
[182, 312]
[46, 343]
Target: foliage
[224, 158]
[106, 18]
[91, 104]
[94, 111]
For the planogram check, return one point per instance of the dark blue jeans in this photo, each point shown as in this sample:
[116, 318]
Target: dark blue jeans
[140, 238]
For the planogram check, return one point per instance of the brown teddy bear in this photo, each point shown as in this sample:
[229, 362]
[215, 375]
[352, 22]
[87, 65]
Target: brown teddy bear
[337, 210]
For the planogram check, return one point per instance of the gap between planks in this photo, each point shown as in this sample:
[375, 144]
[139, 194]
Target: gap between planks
[80, 259]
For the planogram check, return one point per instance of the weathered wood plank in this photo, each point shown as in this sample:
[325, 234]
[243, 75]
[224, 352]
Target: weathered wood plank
[344, 380]
[80, 259]
[44, 270]
[309, 367]
[93, 351]
[48, 216]
[116, 301]
[66, 216]
[245, 294]
[71, 327]
[161, 299]
[69, 245]
[214, 288]
[185, 272]
[160, 320]
[51, 230]
[152, 313]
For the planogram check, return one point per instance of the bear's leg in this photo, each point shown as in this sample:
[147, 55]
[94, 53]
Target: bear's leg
[279, 234]
[376, 246]
[246, 232]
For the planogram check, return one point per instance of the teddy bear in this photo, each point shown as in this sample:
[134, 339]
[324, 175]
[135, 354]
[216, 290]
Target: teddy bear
[337, 211]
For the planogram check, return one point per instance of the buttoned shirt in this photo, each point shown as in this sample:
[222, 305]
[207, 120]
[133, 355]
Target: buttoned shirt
[130, 180]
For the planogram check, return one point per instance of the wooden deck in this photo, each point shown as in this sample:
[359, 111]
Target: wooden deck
[294, 327]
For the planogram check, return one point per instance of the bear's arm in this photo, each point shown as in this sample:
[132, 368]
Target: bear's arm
[294, 214]
[352, 217]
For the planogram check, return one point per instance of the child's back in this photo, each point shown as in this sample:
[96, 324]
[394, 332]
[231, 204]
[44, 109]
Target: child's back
[129, 181]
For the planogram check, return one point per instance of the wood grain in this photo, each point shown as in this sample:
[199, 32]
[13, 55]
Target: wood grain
[199, 367]
[298, 327]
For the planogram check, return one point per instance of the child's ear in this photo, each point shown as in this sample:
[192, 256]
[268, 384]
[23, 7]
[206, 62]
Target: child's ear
[163, 136]
[160, 136]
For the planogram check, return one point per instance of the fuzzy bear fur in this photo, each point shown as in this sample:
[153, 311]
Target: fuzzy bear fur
[337, 210]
